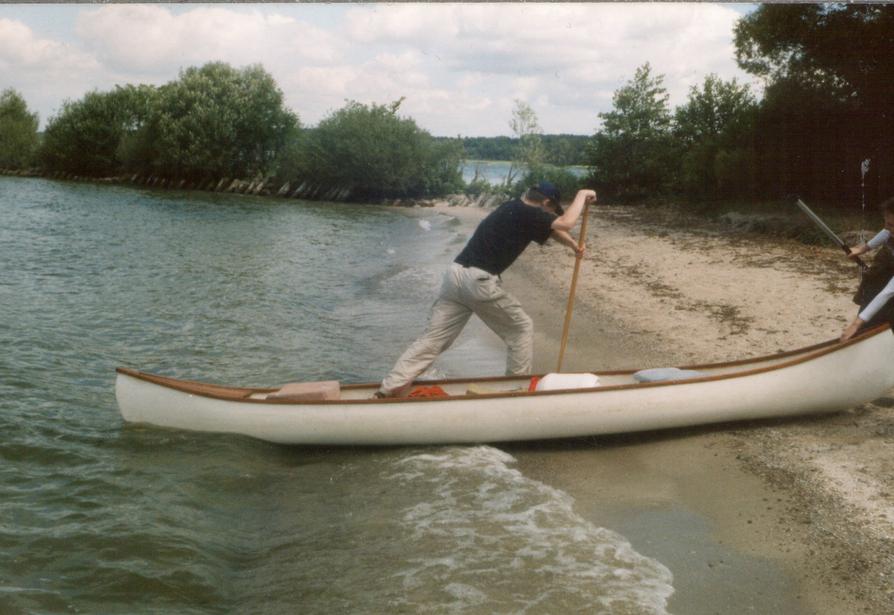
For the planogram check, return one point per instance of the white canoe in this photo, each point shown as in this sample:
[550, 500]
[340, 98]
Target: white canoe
[827, 377]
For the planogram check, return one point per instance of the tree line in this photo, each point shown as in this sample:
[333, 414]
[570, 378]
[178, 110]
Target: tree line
[826, 108]
[217, 121]
[560, 150]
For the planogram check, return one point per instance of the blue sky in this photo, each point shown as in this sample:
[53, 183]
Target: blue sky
[461, 67]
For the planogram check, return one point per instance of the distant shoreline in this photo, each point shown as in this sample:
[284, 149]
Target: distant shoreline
[261, 188]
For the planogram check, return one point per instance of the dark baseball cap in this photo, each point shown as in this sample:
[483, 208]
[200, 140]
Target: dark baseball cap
[549, 190]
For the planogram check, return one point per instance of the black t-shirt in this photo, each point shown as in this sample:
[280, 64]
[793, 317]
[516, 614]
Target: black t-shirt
[504, 234]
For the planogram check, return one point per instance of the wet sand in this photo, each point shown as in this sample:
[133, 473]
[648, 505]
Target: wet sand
[792, 516]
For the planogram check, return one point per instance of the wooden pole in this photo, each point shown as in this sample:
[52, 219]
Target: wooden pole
[565, 328]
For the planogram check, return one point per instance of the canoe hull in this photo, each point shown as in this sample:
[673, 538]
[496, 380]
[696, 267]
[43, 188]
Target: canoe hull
[827, 380]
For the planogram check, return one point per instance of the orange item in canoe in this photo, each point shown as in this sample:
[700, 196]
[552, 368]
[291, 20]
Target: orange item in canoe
[432, 391]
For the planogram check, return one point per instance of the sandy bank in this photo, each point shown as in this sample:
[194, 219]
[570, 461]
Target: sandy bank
[653, 293]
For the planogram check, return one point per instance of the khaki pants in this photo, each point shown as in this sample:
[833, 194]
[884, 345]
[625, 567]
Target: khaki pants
[466, 291]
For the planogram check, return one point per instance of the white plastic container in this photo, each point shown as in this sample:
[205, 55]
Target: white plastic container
[555, 382]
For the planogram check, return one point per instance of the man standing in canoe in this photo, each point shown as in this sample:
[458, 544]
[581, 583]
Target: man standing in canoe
[472, 283]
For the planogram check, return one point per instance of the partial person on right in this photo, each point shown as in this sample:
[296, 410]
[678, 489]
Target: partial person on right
[877, 285]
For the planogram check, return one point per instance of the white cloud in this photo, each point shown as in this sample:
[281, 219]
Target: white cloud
[550, 54]
[413, 23]
[31, 57]
[460, 66]
[45, 72]
[394, 62]
[152, 39]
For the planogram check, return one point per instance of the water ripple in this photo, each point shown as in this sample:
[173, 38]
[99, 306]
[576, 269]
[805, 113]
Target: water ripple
[101, 517]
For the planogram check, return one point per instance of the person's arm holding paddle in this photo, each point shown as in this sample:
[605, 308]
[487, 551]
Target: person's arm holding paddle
[857, 251]
[569, 218]
[566, 238]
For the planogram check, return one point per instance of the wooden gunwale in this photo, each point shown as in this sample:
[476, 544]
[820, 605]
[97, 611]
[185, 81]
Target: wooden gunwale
[241, 394]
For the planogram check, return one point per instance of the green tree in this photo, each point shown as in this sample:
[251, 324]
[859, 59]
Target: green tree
[530, 153]
[136, 104]
[489, 148]
[828, 68]
[289, 158]
[18, 131]
[558, 149]
[720, 108]
[564, 150]
[217, 121]
[86, 136]
[713, 128]
[632, 154]
[848, 47]
[369, 151]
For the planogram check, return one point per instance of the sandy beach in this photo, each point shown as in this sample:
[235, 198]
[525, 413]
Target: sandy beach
[813, 496]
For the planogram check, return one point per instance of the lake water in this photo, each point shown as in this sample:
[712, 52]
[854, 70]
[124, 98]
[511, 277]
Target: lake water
[100, 517]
